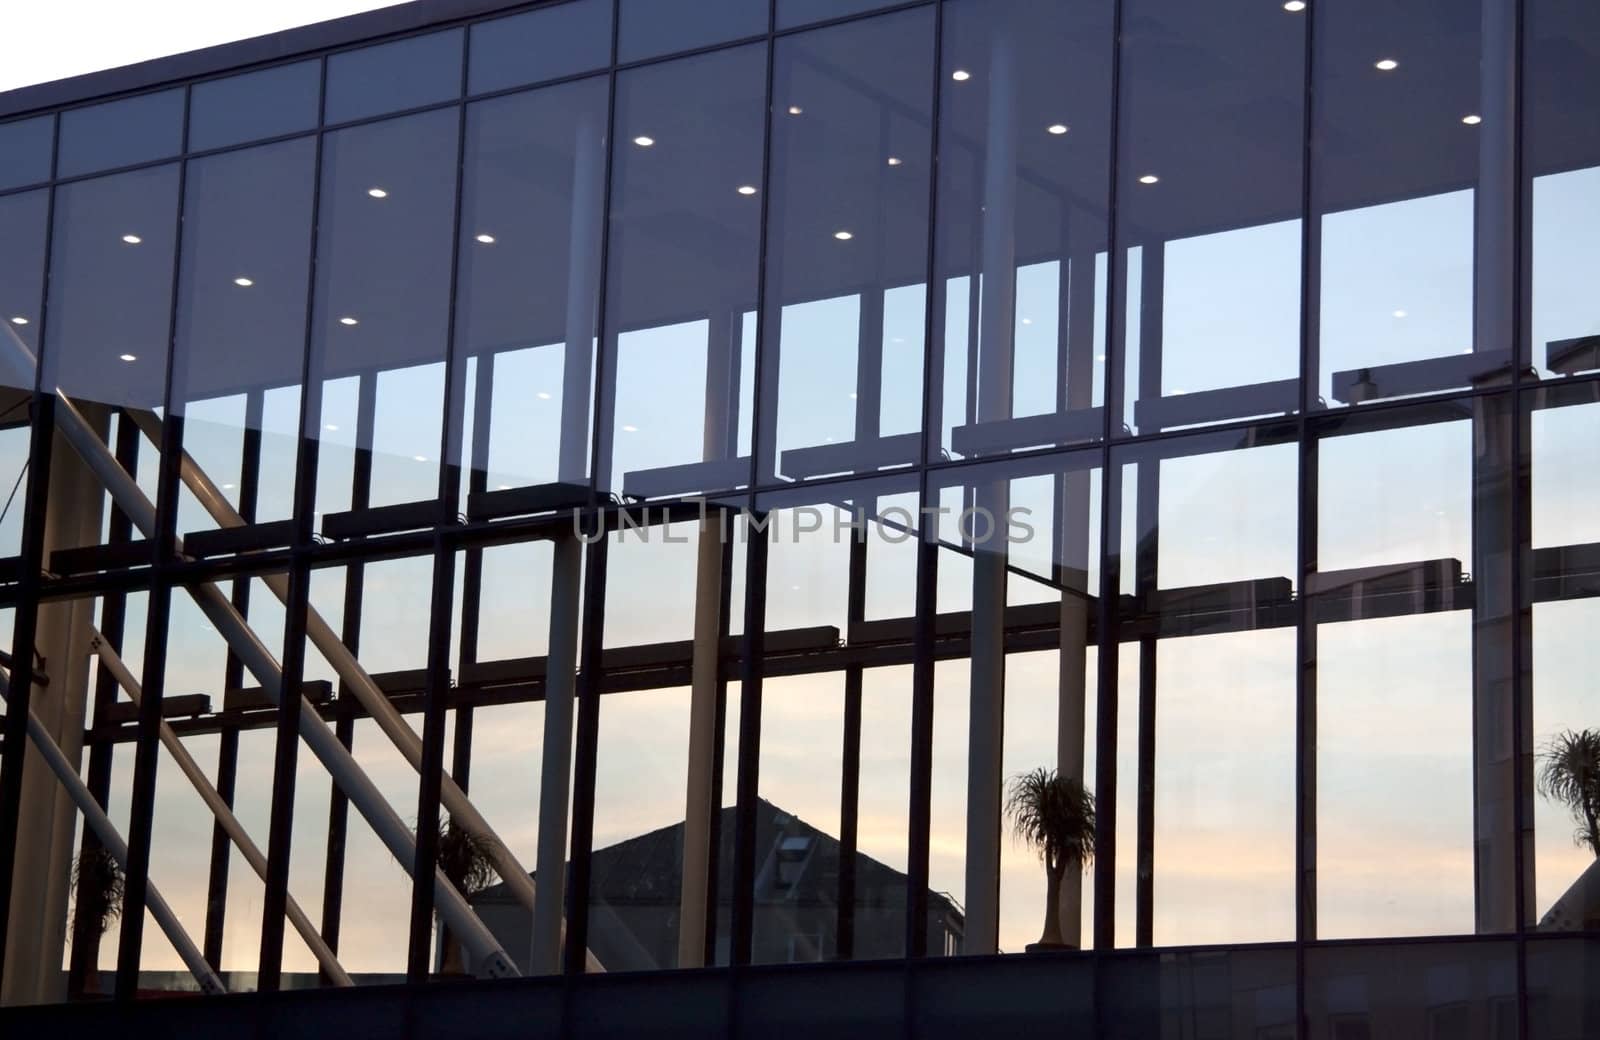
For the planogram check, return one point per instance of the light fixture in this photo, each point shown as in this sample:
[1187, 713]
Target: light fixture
[419, 458]
[377, 193]
[227, 487]
[961, 75]
[543, 396]
[643, 141]
[843, 236]
[795, 110]
[129, 357]
[1027, 321]
[1294, 5]
[132, 240]
[1099, 357]
[486, 238]
[243, 282]
[1386, 65]
[1472, 120]
[895, 160]
[19, 320]
[332, 427]
[502, 487]
[630, 429]
[747, 189]
[852, 395]
[1399, 314]
[348, 321]
[1149, 178]
[1056, 128]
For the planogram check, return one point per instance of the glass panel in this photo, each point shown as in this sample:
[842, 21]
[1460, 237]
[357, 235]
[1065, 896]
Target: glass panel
[110, 307]
[848, 249]
[1436, 992]
[25, 147]
[1565, 542]
[1393, 647]
[121, 133]
[799, 12]
[651, 27]
[22, 236]
[1225, 994]
[685, 245]
[528, 282]
[1015, 570]
[1396, 146]
[1563, 988]
[1562, 158]
[383, 298]
[1024, 172]
[242, 325]
[553, 41]
[1210, 198]
[255, 106]
[1212, 591]
[405, 74]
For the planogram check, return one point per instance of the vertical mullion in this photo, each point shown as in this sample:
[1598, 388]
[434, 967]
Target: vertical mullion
[147, 749]
[586, 750]
[850, 771]
[744, 867]
[1147, 535]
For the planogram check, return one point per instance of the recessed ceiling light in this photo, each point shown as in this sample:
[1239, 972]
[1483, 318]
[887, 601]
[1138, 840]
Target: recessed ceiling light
[129, 357]
[227, 487]
[543, 396]
[1056, 128]
[419, 458]
[843, 236]
[1386, 65]
[1472, 120]
[895, 160]
[643, 141]
[1399, 314]
[1149, 178]
[747, 189]
[961, 75]
[132, 240]
[795, 110]
[1027, 321]
[349, 321]
[1294, 5]
[243, 282]
[377, 193]
[852, 395]
[333, 427]
[486, 238]
[1099, 357]
[630, 429]
[502, 487]
[19, 320]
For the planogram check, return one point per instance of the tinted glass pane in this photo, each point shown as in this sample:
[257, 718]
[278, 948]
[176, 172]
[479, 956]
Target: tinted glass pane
[241, 323]
[1210, 199]
[685, 222]
[383, 295]
[25, 151]
[111, 287]
[799, 12]
[547, 43]
[395, 76]
[651, 27]
[529, 280]
[254, 106]
[1396, 153]
[121, 133]
[22, 235]
[1434, 991]
[1023, 182]
[1562, 156]
[847, 248]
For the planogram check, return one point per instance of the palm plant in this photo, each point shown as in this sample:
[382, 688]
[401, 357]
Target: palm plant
[1570, 776]
[97, 879]
[464, 859]
[1054, 816]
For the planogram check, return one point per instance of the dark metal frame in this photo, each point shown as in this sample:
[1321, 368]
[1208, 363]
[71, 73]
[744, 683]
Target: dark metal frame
[448, 537]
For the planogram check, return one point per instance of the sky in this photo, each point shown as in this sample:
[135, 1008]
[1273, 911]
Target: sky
[70, 37]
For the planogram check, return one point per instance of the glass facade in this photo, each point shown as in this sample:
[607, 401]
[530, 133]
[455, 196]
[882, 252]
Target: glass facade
[612, 486]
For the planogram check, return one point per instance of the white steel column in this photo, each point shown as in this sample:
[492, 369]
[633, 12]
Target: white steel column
[995, 348]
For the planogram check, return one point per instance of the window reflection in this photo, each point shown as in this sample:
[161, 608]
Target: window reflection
[847, 249]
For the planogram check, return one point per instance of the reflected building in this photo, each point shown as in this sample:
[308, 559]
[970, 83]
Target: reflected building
[445, 446]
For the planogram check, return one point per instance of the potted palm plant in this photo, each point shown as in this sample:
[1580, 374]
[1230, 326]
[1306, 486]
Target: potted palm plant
[464, 859]
[1570, 776]
[98, 881]
[1054, 816]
